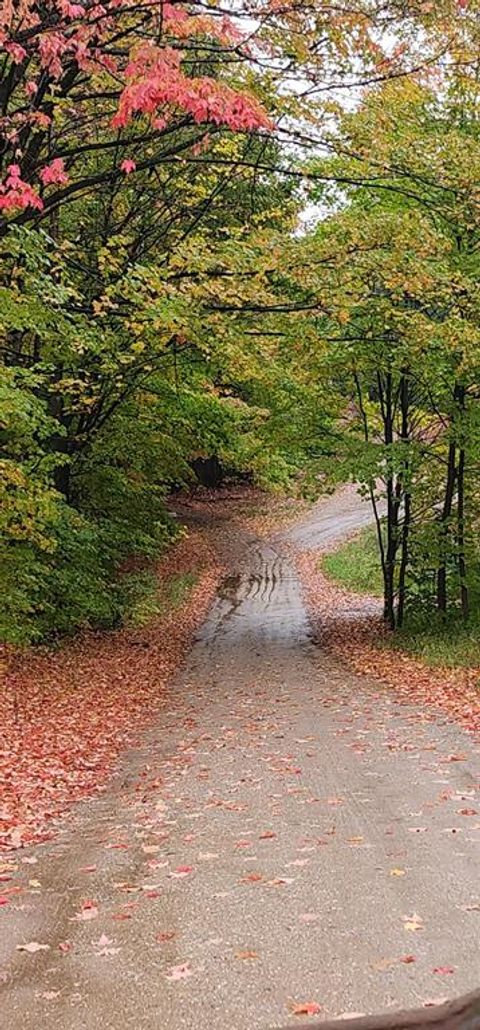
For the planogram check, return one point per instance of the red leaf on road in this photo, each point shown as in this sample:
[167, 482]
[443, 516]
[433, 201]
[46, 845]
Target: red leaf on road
[179, 972]
[305, 1008]
[182, 870]
[89, 910]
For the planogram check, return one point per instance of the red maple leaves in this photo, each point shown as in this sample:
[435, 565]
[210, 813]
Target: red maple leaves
[45, 43]
[17, 194]
[156, 83]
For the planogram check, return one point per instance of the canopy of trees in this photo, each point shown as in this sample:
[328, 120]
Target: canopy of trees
[159, 303]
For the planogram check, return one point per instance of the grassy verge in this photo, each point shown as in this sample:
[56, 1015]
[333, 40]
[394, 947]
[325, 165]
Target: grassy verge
[451, 646]
[356, 566]
[145, 596]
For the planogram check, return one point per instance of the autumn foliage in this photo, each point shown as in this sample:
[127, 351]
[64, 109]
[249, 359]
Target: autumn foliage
[164, 301]
[68, 713]
[61, 57]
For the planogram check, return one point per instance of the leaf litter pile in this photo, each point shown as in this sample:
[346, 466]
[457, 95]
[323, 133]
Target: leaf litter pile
[350, 626]
[66, 714]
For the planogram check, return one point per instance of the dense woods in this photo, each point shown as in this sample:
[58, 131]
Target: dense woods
[241, 234]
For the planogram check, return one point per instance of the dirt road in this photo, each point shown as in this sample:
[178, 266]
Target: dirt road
[287, 835]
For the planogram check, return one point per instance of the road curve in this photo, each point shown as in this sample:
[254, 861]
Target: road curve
[287, 835]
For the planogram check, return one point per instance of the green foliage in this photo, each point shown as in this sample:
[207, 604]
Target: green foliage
[144, 596]
[119, 370]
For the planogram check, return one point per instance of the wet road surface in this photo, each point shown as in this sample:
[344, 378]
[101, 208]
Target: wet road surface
[286, 834]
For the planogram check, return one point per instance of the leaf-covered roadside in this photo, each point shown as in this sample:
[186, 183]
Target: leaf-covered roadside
[67, 713]
[351, 627]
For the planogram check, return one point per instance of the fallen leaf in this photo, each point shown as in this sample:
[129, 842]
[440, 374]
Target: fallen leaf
[413, 923]
[103, 941]
[279, 881]
[305, 1008]
[182, 870]
[179, 972]
[32, 947]
[383, 963]
[15, 839]
[89, 910]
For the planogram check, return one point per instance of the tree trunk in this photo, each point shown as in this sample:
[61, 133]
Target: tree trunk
[392, 508]
[462, 565]
[407, 515]
[407, 500]
[444, 520]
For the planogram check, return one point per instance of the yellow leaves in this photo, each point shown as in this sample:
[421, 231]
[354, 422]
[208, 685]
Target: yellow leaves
[413, 923]
[102, 305]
